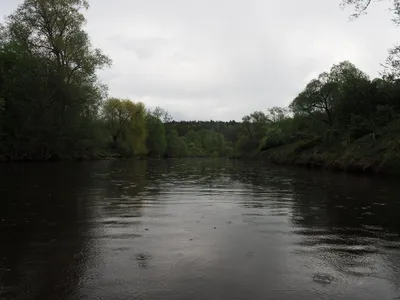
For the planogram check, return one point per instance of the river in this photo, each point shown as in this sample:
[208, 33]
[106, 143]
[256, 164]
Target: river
[196, 229]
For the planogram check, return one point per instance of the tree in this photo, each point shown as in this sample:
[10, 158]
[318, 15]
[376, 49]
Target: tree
[361, 7]
[125, 121]
[49, 87]
[162, 114]
[392, 63]
[176, 145]
[53, 30]
[279, 130]
[255, 125]
[156, 140]
[277, 114]
[353, 92]
[316, 99]
[322, 97]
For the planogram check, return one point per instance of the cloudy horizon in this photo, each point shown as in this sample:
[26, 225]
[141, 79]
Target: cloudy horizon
[222, 60]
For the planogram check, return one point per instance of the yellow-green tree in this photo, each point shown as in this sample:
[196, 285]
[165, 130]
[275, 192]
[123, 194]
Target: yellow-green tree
[125, 121]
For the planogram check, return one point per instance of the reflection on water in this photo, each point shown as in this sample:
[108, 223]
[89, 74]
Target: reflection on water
[196, 229]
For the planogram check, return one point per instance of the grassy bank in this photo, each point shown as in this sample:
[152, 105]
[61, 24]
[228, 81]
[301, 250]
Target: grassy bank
[373, 153]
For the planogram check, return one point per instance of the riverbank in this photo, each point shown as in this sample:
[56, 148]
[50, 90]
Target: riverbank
[98, 156]
[374, 153]
[370, 154]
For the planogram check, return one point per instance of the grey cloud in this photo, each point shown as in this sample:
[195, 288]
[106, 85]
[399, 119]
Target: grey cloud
[144, 48]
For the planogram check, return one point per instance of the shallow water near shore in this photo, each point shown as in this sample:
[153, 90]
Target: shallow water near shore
[196, 229]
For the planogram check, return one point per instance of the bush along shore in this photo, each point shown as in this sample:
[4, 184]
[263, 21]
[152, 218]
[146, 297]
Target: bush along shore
[366, 155]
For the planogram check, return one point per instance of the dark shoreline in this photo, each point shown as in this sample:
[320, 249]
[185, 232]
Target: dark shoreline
[296, 154]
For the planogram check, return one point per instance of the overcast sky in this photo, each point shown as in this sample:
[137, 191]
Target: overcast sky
[223, 59]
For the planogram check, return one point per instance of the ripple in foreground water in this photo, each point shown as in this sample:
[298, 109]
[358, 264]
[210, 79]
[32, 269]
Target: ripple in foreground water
[196, 229]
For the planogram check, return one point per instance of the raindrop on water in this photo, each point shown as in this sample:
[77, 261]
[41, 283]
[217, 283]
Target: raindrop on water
[322, 278]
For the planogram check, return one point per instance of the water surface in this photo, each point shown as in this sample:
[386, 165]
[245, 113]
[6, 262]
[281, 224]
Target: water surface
[196, 229]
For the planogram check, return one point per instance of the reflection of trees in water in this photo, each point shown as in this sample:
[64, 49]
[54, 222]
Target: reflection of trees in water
[203, 170]
[346, 203]
[199, 173]
[122, 185]
[45, 232]
[129, 182]
[269, 187]
[340, 218]
[347, 221]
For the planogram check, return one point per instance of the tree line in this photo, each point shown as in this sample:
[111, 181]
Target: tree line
[52, 105]
[341, 119]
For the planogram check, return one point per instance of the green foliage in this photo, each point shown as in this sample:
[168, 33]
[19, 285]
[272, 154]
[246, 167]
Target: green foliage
[347, 101]
[261, 131]
[245, 145]
[49, 90]
[156, 140]
[341, 120]
[126, 124]
[199, 140]
[162, 114]
[176, 145]
[274, 137]
[52, 105]
[334, 95]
